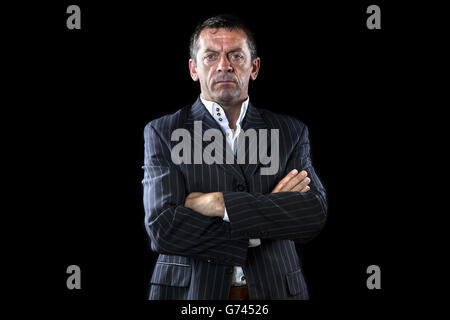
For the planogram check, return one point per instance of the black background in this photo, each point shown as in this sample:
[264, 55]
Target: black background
[90, 92]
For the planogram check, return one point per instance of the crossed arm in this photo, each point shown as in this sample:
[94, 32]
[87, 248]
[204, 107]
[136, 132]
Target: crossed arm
[212, 204]
[193, 225]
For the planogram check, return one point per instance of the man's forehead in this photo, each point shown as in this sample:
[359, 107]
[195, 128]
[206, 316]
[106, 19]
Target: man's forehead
[222, 37]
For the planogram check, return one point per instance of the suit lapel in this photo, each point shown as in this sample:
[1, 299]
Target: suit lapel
[253, 120]
[199, 113]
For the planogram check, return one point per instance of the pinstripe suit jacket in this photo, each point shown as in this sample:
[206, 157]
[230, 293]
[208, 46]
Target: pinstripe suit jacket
[197, 253]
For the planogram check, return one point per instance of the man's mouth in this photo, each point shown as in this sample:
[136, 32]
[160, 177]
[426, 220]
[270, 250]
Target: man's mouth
[224, 82]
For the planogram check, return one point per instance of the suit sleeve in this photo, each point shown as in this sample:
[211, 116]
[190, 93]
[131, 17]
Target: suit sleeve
[174, 229]
[285, 215]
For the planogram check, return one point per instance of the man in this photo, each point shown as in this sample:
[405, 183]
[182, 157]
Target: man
[226, 230]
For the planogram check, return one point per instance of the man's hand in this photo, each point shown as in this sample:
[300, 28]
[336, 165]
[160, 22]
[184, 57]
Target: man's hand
[209, 204]
[212, 204]
[294, 181]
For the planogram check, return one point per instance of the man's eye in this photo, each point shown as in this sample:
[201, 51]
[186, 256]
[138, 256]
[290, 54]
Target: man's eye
[210, 57]
[237, 56]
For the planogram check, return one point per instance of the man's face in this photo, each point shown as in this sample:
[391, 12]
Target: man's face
[223, 65]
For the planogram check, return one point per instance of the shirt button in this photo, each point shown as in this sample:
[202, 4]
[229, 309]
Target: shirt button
[243, 278]
[218, 114]
[217, 109]
[220, 119]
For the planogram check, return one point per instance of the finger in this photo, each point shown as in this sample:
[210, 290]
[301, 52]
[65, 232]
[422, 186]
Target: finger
[296, 181]
[285, 180]
[307, 188]
[302, 185]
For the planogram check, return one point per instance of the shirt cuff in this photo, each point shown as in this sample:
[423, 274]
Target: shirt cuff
[254, 242]
[225, 216]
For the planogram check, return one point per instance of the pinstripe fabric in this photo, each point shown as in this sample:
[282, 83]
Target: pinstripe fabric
[197, 253]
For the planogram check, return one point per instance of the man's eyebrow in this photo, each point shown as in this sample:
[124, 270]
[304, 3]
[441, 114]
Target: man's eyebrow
[211, 50]
[235, 49]
[232, 50]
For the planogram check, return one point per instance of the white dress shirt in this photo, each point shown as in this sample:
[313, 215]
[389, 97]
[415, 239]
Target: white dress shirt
[231, 136]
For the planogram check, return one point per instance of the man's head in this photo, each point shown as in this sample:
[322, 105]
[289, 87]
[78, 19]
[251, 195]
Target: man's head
[223, 59]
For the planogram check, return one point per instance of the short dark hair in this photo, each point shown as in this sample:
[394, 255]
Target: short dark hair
[224, 21]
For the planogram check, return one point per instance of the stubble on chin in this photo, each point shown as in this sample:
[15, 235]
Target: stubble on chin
[226, 97]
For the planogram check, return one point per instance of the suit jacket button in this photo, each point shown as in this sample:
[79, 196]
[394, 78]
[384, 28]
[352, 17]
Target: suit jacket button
[240, 187]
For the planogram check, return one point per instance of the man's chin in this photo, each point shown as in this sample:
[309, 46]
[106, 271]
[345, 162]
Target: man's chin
[227, 96]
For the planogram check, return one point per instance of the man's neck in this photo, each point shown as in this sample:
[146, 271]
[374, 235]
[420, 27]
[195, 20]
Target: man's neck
[232, 112]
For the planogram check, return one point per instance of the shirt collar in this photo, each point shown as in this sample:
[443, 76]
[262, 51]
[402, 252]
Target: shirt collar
[218, 113]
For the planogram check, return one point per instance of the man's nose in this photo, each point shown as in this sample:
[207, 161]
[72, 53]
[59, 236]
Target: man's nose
[224, 64]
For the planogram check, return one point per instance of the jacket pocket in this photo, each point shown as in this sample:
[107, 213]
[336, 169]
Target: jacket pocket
[296, 283]
[171, 274]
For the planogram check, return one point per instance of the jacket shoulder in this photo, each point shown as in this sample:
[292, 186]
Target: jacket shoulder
[169, 122]
[282, 121]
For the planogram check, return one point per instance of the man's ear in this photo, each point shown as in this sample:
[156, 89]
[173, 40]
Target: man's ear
[193, 70]
[255, 68]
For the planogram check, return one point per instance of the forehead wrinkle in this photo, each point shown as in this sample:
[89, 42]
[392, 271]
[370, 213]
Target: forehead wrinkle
[221, 47]
[228, 51]
[212, 38]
